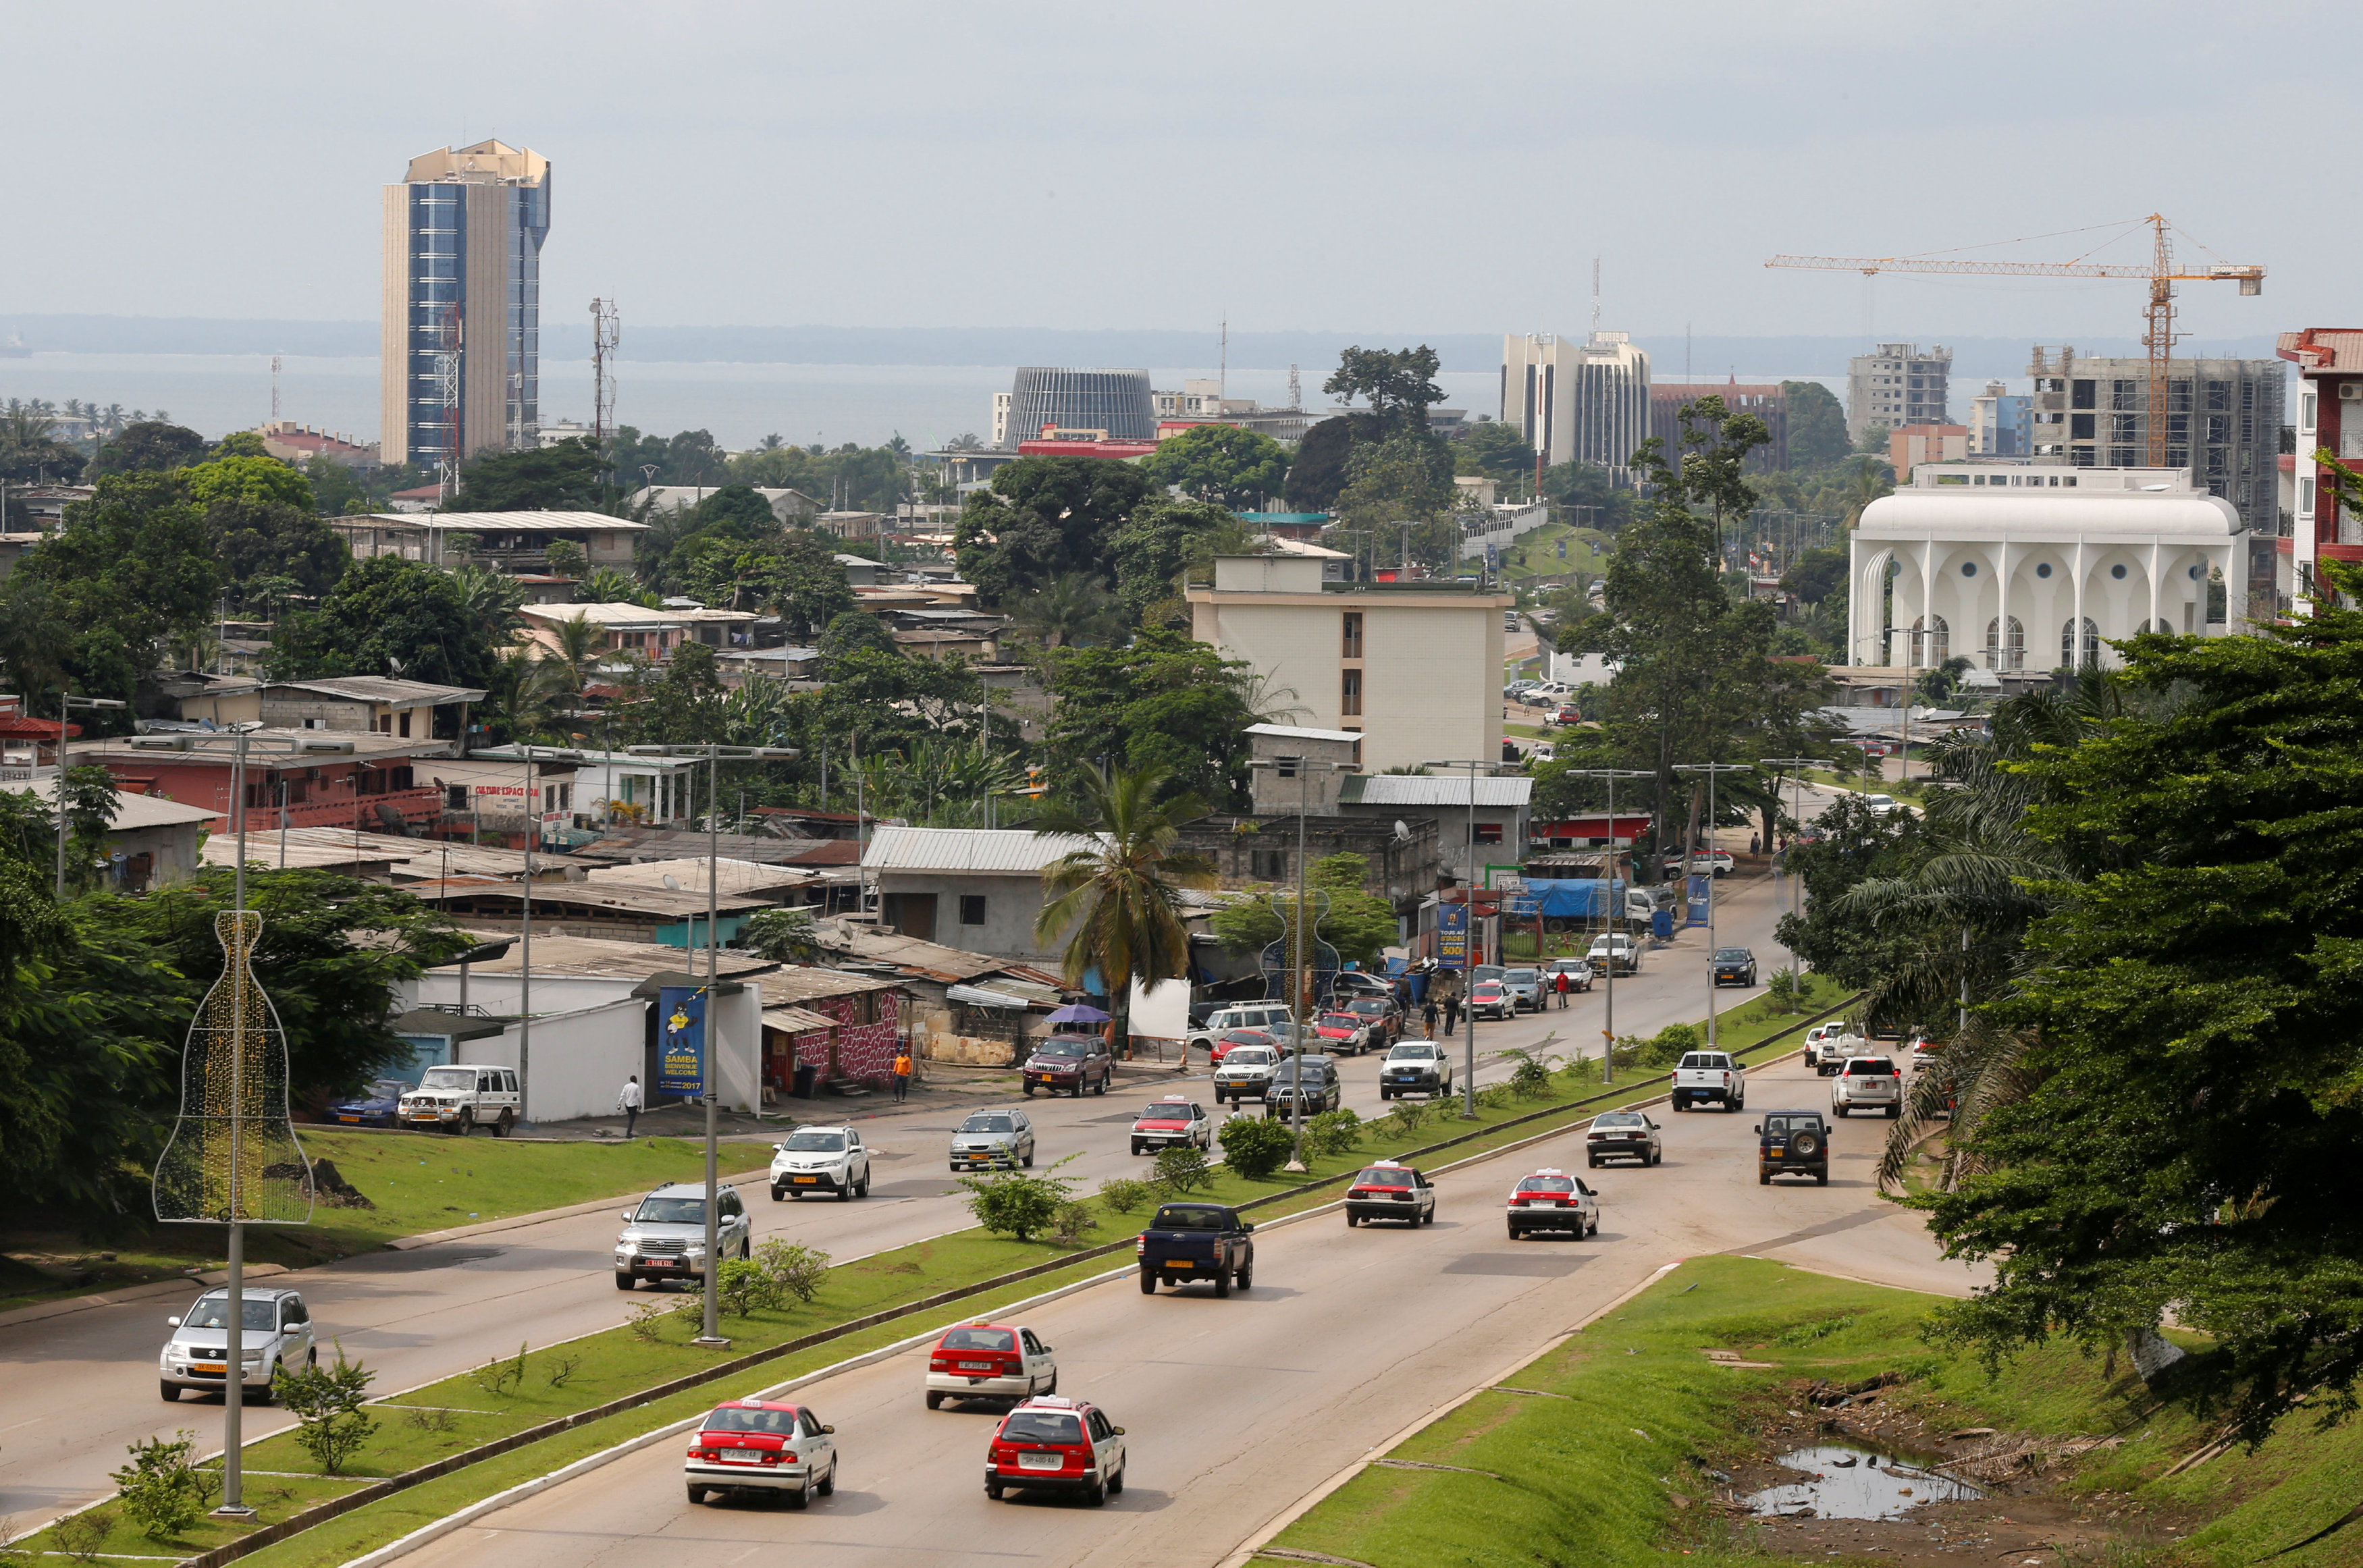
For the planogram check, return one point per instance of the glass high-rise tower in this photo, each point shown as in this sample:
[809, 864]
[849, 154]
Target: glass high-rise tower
[461, 308]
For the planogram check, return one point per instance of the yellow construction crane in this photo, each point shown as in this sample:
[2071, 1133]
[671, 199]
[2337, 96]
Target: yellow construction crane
[2157, 333]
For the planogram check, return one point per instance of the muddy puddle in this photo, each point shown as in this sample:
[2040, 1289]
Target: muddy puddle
[1848, 1480]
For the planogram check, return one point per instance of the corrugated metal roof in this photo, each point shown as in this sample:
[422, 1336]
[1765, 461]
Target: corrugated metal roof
[1444, 790]
[988, 851]
[732, 875]
[377, 688]
[796, 1020]
[1294, 732]
[512, 522]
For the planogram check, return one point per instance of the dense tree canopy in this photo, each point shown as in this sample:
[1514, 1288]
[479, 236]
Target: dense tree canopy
[1319, 472]
[1495, 451]
[562, 476]
[1220, 463]
[1163, 702]
[1817, 426]
[31, 452]
[1400, 384]
[149, 447]
[1042, 518]
[387, 615]
[129, 569]
[1160, 541]
[1359, 923]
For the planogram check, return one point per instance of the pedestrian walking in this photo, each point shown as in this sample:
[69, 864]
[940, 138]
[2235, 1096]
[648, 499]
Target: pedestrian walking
[1563, 985]
[903, 1073]
[1428, 1016]
[629, 1102]
[1755, 843]
[1451, 1010]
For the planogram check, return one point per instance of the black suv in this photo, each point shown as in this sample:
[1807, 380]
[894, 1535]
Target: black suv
[1792, 1143]
[1735, 966]
[1321, 1088]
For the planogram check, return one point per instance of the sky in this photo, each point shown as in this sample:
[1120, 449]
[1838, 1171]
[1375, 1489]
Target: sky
[1374, 166]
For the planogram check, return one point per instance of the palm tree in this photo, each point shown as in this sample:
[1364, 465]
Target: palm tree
[579, 644]
[491, 600]
[1074, 609]
[520, 699]
[1115, 897]
[1867, 480]
[606, 585]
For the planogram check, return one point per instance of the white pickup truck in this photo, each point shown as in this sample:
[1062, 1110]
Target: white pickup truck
[1827, 1045]
[1710, 1076]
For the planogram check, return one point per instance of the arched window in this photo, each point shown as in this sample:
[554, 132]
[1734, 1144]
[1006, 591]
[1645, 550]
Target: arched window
[2092, 649]
[2005, 650]
[1931, 641]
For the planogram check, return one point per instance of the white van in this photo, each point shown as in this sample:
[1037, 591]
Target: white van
[1270, 1015]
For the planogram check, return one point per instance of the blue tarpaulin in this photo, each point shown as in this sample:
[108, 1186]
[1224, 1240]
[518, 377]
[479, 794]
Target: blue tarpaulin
[1581, 898]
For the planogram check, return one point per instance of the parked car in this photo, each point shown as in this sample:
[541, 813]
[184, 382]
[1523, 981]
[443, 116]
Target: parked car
[1828, 1046]
[1416, 1066]
[1577, 970]
[461, 1097]
[1380, 1013]
[1360, 982]
[1049, 1444]
[1245, 1072]
[1171, 1123]
[1486, 972]
[820, 1159]
[988, 1360]
[1075, 1063]
[1346, 1033]
[664, 1234]
[1220, 1049]
[1543, 751]
[990, 1138]
[1705, 1076]
[1623, 1135]
[376, 1106]
[1884, 805]
[1617, 953]
[1711, 863]
[762, 1447]
[1735, 966]
[1319, 1088]
[274, 1331]
[1268, 1015]
[1868, 1083]
[1391, 1190]
[1525, 988]
[1197, 1241]
[1551, 1199]
[1491, 999]
[1792, 1143]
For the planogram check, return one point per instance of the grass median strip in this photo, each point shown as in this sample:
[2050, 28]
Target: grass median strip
[448, 1422]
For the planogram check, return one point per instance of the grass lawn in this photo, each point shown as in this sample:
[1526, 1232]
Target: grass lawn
[418, 1183]
[1593, 1477]
[273, 1498]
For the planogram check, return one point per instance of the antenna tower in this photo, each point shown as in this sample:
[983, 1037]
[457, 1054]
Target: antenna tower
[1223, 370]
[1596, 297]
[1295, 389]
[446, 384]
[604, 331]
[274, 389]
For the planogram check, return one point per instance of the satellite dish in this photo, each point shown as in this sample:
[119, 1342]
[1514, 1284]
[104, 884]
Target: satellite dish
[672, 881]
[1403, 830]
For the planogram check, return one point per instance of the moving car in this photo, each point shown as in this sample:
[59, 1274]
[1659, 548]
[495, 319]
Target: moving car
[1735, 966]
[461, 1099]
[1266, 1015]
[1868, 1083]
[762, 1447]
[1577, 970]
[1319, 1090]
[1245, 1072]
[376, 1106]
[1792, 1143]
[1391, 1190]
[990, 1138]
[1616, 951]
[1828, 1046]
[1380, 1013]
[274, 1330]
[988, 1360]
[1219, 1049]
[664, 1235]
[1071, 1062]
[1051, 1444]
[1197, 1241]
[1551, 1199]
[1416, 1066]
[1491, 999]
[1171, 1123]
[1525, 988]
[1342, 1031]
[1709, 1076]
[1623, 1135]
[820, 1159]
[1348, 983]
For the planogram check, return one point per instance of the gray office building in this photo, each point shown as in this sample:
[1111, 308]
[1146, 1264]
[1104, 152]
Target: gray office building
[1896, 386]
[1115, 402]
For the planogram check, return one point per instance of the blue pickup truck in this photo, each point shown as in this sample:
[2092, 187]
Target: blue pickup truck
[1197, 1241]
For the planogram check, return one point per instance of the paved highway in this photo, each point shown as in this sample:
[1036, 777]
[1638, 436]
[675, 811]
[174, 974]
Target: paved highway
[82, 1386]
[1235, 1409]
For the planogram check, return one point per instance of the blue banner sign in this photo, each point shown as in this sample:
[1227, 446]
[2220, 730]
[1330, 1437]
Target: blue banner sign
[1698, 893]
[1452, 936]
[681, 1041]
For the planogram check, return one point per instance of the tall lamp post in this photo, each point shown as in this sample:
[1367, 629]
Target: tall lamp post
[1303, 768]
[1711, 769]
[1781, 765]
[67, 703]
[238, 742]
[1608, 1025]
[1478, 768]
[713, 757]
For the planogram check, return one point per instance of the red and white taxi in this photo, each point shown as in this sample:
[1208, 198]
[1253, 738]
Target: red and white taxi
[1343, 1031]
[1171, 1123]
[1056, 1445]
[755, 1445]
[1221, 1045]
[1390, 1190]
[988, 1360]
[1553, 1200]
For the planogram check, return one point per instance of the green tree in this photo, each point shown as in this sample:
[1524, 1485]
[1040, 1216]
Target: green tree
[257, 480]
[1115, 903]
[1816, 575]
[1399, 382]
[338, 490]
[1042, 518]
[131, 567]
[1407, 477]
[162, 1489]
[1588, 497]
[1319, 472]
[858, 631]
[31, 452]
[329, 1406]
[149, 447]
[1817, 426]
[1359, 925]
[383, 613]
[1164, 705]
[562, 476]
[1162, 540]
[1019, 1204]
[1496, 451]
[1070, 611]
[1233, 468]
[271, 549]
[567, 559]
[800, 580]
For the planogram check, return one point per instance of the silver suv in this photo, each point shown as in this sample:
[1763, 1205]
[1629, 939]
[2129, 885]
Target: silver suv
[992, 1138]
[664, 1236]
[820, 1159]
[274, 1330]
[461, 1099]
[1525, 988]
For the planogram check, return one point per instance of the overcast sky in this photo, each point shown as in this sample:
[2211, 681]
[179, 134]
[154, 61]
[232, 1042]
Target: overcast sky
[1370, 166]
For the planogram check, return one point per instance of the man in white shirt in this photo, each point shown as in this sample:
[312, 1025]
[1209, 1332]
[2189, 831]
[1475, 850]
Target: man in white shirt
[629, 1102]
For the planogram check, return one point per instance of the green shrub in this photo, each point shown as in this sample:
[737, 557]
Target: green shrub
[744, 1287]
[1072, 1225]
[83, 1533]
[1406, 1116]
[503, 1376]
[162, 1492]
[1182, 1170]
[1669, 1044]
[796, 1269]
[1337, 1131]
[1530, 1080]
[327, 1404]
[1255, 1146]
[1018, 1203]
[1123, 1195]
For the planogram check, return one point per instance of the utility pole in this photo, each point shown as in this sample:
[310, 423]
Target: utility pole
[1608, 1024]
[1303, 768]
[1477, 767]
[1711, 769]
[1778, 763]
[67, 703]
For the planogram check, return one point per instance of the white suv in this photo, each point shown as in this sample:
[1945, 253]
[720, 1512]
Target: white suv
[274, 1330]
[1868, 1083]
[820, 1159]
[1245, 1074]
[461, 1099]
[664, 1236]
[1270, 1015]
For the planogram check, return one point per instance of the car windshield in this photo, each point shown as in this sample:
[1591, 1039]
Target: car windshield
[814, 1142]
[448, 1078]
[1870, 1067]
[386, 1088]
[1340, 1021]
[1042, 1426]
[1732, 955]
[986, 1124]
[1246, 1056]
[778, 1423]
[1790, 1123]
[1369, 1006]
[1520, 977]
[212, 1312]
[672, 1211]
[1060, 1048]
[1411, 1053]
[1548, 1184]
[1618, 1119]
[1489, 989]
[980, 1339]
[1164, 1111]
[1486, 972]
[1380, 1176]
[1315, 1072]
[1190, 1217]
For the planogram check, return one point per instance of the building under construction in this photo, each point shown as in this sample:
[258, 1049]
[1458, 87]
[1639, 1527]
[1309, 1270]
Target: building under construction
[461, 307]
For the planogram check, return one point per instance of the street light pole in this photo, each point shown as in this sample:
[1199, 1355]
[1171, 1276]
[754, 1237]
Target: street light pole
[1303, 768]
[1469, 902]
[1782, 763]
[1711, 769]
[1608, 1024]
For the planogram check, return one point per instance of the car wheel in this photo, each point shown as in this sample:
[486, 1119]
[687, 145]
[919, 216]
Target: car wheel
[1103, 1082]
[797, 1501]
[1763, 1177]
[1223, 1284]
[696, 1496]
[1246, 1278]
[465, 1124]
[993, 1490]
[625, 1280]
[1351, 1219]
[779, 1195]
[1028, 1161]
[1894, 1111]
[1386, 1094]
[1428, 1217]
[1514, 1232]
[862, 1189]
[1097, 1497]
[1838, 1110]
[1593, 1164]
[746, 1247]
[845, 1192]
[935, 1401]
[171, 1392]
[501, 1128]
[1821, 1178]
[1148, 1282]
[1116, 1483]
[1135, 1148]
[1029, 1091]
[828, 1487]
